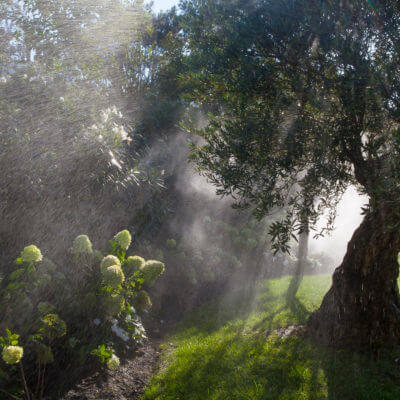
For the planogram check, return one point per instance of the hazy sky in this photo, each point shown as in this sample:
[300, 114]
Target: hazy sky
[162, 5]
[348, 219]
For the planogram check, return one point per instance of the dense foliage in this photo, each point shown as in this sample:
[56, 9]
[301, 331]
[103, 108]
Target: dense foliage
[66, 127]
[65, 313]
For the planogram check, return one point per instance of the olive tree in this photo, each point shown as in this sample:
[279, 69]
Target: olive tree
[303, 100]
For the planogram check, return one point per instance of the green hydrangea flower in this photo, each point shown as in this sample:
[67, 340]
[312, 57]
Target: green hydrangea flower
[151, 270]
[97, 256]
[53, 326]
[133, 264]
[12, 354]
[31, 254]
[82, 245]
[235, 262]
[108, 261]
[48, 265]
[45, 308]
[113, 362]
[44, 279]
[142, 301]
[207, 219]
[113, 276]
[123, 238]
[114, 304]
[171, 243]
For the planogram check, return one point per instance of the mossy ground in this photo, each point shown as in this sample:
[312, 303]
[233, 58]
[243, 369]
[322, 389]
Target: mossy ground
[230, 349]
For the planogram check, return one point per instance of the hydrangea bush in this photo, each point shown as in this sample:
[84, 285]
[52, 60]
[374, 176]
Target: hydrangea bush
[68, 314]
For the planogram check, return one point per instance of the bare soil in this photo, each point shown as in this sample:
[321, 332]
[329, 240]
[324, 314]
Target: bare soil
[126, 383]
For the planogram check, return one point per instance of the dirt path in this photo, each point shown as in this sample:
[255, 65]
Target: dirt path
[126, 383]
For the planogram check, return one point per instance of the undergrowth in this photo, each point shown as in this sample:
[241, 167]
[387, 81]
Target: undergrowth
[233, 349]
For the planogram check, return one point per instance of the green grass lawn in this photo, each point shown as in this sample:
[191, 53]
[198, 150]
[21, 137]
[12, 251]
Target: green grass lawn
[230, 350]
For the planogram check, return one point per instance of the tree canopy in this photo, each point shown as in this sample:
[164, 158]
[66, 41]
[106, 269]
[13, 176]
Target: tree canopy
[302, 98]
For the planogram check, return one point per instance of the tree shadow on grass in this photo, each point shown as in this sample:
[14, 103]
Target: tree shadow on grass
[255, 366]
[242, 367]
[236, 305]
[296, 310]
[226, 357]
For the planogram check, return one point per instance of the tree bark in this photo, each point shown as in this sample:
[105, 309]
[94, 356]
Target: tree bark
[300, 267]
[362, 308]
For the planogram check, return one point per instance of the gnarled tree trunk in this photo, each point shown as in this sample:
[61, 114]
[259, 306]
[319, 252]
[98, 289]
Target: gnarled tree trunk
[362, 308]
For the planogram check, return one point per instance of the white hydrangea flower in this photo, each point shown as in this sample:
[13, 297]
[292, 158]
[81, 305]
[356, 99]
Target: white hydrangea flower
[114, 304]
[133, 264]
[108, 261]
[123, 238]
[113, 362]
[113, 275]
[82, 245]
[31, 254]
[120, 132]
[104, 116]
[151, 270]
[121, 333]
[12, 354]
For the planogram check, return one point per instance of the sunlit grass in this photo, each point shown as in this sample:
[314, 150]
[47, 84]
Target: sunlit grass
[230, 350]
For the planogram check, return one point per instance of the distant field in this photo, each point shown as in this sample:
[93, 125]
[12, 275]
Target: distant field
[232, 350]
